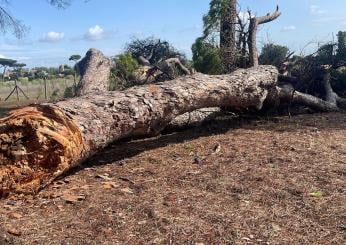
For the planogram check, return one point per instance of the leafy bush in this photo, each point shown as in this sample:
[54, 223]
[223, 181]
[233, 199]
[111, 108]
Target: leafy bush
[273, 54]
[126, 65]
[206, 57]
[339, 80]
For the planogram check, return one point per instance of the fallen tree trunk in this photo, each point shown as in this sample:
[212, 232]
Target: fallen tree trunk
[39, 143]
[95, 70]
[194, 118]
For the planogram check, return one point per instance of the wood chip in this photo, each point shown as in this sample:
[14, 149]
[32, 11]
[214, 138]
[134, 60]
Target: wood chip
[127, 190]
[104, 177]
[110, 185]
[71, 199]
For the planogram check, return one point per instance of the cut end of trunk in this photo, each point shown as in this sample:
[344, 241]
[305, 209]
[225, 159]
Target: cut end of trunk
[37, 144]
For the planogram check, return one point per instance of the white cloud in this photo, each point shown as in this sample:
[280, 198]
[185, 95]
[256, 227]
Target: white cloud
[52, 37]
[2, 56]
[289, 28]
[316, 10]
[95, 33]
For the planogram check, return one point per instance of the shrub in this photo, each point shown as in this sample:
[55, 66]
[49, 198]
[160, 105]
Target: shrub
[273, 54]
[206, 57]
[126, 66]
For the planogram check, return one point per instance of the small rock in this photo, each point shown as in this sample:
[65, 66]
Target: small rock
[104, 177]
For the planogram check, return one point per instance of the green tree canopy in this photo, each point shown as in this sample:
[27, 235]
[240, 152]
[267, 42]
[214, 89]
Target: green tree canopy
[4, 62]
[212, 20]
[75, 57]
[126, 66]
[206, 57]
[19, 65]
[273, 54]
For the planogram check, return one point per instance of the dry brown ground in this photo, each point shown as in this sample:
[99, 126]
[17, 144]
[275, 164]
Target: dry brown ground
[232, 182]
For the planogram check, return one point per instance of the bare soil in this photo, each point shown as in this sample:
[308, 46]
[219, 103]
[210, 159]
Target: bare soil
[242, 181]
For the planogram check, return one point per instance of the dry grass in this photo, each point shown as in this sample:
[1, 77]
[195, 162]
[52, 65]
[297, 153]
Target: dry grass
[271, 182]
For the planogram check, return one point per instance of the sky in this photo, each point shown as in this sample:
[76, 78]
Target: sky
[54, 35]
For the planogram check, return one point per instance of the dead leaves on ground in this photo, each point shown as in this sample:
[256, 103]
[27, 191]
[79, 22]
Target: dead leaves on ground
[72, 198]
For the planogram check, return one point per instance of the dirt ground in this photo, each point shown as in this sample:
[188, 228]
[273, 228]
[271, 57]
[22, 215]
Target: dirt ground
[242, 181]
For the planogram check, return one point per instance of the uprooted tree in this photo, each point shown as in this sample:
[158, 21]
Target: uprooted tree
[41, 142]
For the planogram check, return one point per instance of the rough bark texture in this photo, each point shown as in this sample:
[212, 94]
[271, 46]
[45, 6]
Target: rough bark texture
[95, 79]
[194, 118]
[252, 39]
[39, 143]
[227, 35]
[95, 70]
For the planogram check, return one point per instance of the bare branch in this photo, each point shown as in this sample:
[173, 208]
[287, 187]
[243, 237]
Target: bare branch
[252, 40]
[269, 17]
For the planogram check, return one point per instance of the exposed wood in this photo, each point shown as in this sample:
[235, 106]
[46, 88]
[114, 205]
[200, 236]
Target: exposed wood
[253, 27]
[41, 142]
[169, 66]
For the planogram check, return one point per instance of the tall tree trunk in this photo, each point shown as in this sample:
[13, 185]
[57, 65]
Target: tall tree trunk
[227, 35]
[39, 143]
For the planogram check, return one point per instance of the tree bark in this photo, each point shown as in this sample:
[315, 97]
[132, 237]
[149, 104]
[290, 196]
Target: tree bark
[39, 143]
[227, 35]
[95, 71]
[252, 39]
[95, 79]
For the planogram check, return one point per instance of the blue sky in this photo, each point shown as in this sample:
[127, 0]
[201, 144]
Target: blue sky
[108, 24]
